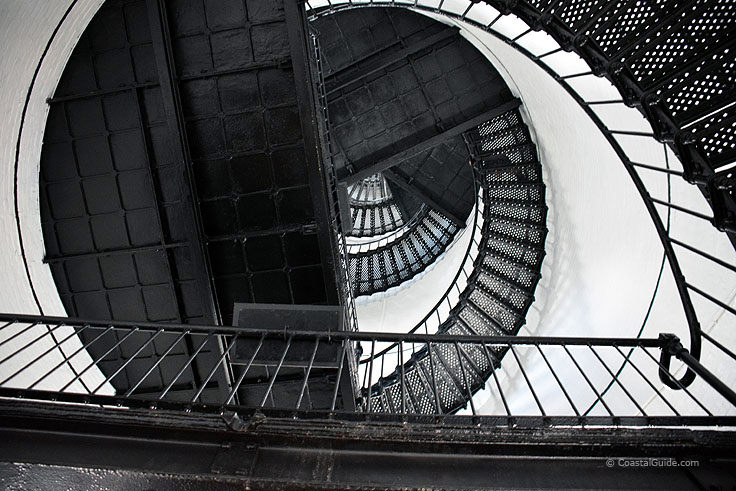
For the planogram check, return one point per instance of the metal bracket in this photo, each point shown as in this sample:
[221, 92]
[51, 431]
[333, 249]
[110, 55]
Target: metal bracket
[671, 346]
[234, 459]
[721, 189]
[659, 117]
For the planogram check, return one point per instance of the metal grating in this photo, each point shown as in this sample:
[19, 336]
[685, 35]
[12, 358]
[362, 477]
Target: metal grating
[113, 201]
[500, 289]
[386, 266]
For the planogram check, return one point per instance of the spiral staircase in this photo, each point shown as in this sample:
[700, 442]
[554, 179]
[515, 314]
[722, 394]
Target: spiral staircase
[500, 289]
[508, 185]
[374, 211]
[219, 181]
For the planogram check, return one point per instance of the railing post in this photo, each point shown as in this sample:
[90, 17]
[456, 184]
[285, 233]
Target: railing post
[671, 346]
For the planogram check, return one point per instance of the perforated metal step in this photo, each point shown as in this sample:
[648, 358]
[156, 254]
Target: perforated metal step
[379, 269]
[501, 288]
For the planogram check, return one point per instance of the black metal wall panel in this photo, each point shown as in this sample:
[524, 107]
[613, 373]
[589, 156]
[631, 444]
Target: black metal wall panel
[234, 73]
[113, 200]
[444, 175]
[110, 181]
[394, 79]
[401, 92]
[174, 179]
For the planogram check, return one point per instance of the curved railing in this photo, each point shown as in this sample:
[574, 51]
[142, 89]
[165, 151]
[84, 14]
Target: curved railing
[378, 266]
[29, 366]
[441, 311]
[674, 90]
[492, 290]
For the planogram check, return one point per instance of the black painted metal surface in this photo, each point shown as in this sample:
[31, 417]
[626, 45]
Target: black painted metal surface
[394, 80]
[422, 391]
[304, 373]
[514, 180]
[119, 225]
[174, 176]
[672, 59]
[137, 450]
[632, 44]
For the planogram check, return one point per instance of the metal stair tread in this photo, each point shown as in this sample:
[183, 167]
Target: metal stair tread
[512, 309]
[520, 243]
[485, 270]
[508, 294]
[507, 260]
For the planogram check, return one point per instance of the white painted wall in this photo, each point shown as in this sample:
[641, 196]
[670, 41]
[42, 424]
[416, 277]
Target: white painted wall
[26, 26]
[603, 253]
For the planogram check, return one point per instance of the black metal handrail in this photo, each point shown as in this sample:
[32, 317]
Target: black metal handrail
[329, 335]
[286, 351]
[717, 188]
[498, 289]
[339, 236]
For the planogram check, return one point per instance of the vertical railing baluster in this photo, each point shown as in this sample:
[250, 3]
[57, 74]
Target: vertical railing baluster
[47, 332]
[98, 359]
[628, 360]
[306, 374]
[615, 377]
[678, 383]
[189, 362]
[559, 382]
[236, 385]
[219, 362]
[383, 357]
[122, 367]
[370, 374]
[275, 374]
[403, 377]
[465, 378]
[38, 357]
[339, 374]
[24, 330]
[599, 397]
[498, 384]
[528, 382]
[158, 362]
[434, 380]
[67, 359]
